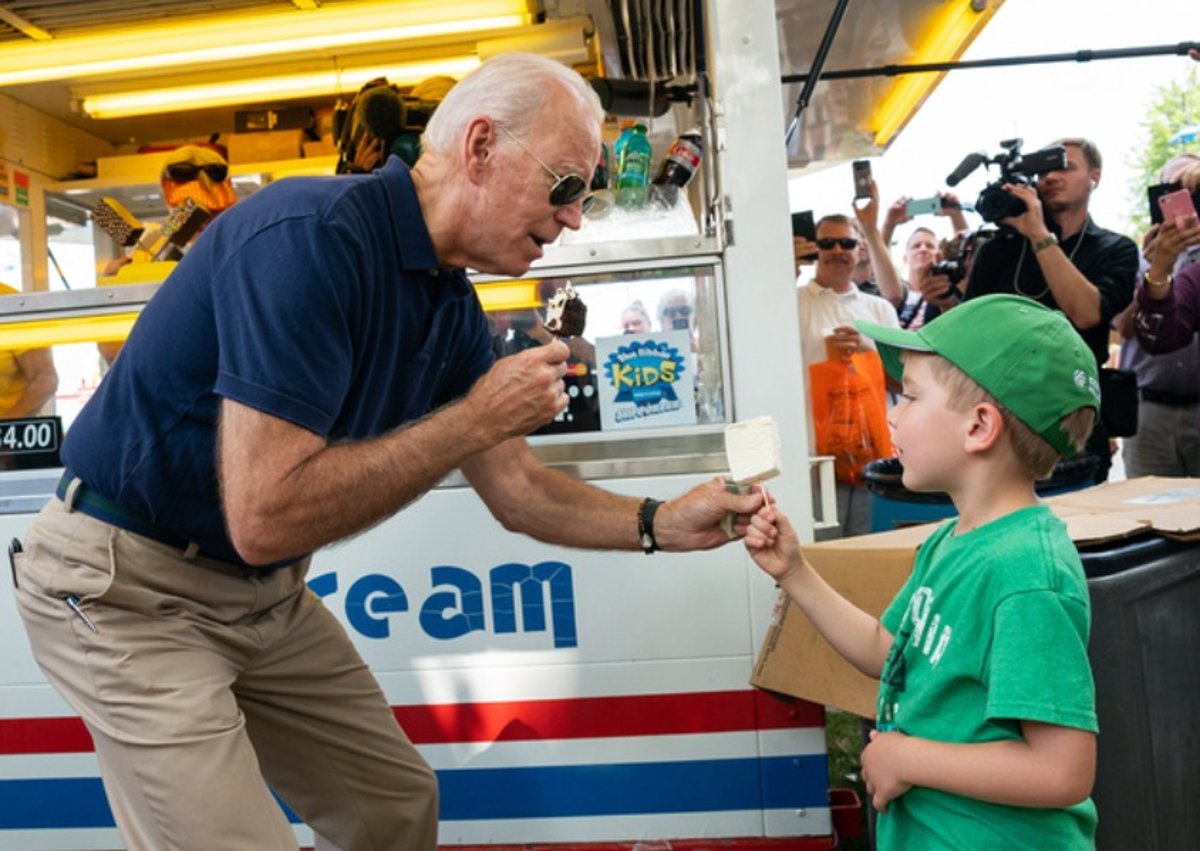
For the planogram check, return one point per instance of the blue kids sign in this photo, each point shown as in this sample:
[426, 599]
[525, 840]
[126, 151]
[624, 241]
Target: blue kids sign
[646, 380]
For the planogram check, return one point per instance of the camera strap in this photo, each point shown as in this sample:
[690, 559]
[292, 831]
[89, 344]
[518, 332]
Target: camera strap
[1021, 261]
[910, 310]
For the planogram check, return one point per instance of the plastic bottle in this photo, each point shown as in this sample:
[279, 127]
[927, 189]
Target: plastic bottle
[622, 138]
[681, 161]
[678, 167]
[633, 169]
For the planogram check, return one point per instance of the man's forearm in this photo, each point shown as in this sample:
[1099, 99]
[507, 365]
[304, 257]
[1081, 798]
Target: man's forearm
[1075, 295]
[528, 497]
[287, 492]
[885, 271]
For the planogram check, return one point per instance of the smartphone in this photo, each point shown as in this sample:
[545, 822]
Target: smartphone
[1155, 192]
[922, 206]
[803, 225]
[1177, 205]
[862, 179]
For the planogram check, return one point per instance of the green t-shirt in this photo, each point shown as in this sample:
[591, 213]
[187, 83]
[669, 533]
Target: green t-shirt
[990, 630]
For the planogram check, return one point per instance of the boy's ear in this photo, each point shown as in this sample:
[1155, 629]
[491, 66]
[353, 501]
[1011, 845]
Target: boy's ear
[984, 428]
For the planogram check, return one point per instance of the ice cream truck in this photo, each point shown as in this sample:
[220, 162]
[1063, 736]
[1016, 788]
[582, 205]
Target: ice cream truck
[563, 697]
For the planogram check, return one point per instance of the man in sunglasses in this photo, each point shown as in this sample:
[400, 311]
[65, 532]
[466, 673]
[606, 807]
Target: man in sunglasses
[316, 362]
[830, 302]
[829, 305]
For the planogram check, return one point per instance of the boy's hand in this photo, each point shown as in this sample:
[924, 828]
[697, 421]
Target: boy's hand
[772, 542]
[882, 761]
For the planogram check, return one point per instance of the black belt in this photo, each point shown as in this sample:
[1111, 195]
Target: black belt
[1166, 397]
[89, 502]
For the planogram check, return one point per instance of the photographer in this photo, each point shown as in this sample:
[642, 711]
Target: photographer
[1055, 254]
[929, 291]
[897, 214]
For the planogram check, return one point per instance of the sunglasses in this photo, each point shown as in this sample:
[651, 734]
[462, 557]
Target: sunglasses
[183, 172]
[568, 188]
[847, 242]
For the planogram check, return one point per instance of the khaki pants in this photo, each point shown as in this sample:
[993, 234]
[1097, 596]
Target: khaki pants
[201, 686]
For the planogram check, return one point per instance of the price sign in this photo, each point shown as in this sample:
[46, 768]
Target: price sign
[29, 436]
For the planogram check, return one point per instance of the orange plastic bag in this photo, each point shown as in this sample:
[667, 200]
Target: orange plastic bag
[849, 408]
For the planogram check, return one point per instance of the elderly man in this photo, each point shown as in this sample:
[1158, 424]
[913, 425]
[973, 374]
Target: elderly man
[336, 365]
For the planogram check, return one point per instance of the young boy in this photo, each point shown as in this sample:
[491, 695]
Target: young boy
[986, 709]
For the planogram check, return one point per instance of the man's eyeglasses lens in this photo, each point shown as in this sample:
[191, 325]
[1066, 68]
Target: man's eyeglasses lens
[567, 189]
[183, 172]
[846, 242]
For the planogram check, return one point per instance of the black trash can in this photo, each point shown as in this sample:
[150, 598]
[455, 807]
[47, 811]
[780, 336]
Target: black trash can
[1145, 656]
[893, 505]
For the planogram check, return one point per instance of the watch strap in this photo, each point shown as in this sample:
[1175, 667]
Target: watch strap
[646, 512]
[1044, 243]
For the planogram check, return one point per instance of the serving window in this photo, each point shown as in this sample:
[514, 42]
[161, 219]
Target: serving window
[651, 354]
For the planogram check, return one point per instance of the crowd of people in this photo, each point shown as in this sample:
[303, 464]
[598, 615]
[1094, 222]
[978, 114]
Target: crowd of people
[1053, 253]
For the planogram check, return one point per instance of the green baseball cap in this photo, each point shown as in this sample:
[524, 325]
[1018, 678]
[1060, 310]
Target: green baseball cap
[1027, 356]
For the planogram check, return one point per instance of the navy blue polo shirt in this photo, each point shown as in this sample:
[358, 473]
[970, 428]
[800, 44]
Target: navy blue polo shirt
[316, 300]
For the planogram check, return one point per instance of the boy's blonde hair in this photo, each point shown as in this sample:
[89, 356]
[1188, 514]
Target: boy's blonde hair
[1035, 455]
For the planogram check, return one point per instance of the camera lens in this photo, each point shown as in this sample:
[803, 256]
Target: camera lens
[995, 204]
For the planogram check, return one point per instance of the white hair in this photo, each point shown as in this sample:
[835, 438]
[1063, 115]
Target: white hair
[1179, 163]
[510, 88]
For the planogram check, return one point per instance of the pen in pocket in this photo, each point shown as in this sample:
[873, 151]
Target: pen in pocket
[14, 547]
[73, 602]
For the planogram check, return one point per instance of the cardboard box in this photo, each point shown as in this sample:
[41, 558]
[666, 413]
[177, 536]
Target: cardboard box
[281, 118]
[136, 168]
[869, 571]
[265, 146]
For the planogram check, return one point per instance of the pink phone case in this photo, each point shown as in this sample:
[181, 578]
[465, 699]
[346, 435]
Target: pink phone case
[1177, 205]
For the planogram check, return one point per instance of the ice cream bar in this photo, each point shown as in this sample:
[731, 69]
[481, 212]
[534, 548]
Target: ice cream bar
[752, 449]
[184, 222]
[111, 216]
[566, 314]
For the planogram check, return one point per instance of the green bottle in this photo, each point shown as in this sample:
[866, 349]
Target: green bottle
[633, 169]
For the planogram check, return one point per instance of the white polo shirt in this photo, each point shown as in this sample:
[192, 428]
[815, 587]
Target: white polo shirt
[822, 309]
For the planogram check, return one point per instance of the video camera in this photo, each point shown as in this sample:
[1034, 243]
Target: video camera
[957, 252]
[391, 117]
[994, 203]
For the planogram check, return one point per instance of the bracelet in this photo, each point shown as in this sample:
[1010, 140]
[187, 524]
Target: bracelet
[646, 513]
[1153, 284]
[1044, 243]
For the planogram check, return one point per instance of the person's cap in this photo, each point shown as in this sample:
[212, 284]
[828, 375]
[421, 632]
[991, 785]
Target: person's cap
[1027, 356]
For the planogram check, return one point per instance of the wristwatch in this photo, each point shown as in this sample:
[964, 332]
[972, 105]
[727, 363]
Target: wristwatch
[1044, 243]
[646, 512]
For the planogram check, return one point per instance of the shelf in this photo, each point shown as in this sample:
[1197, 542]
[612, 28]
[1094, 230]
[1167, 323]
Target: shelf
[141, 193]
[630, 239]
